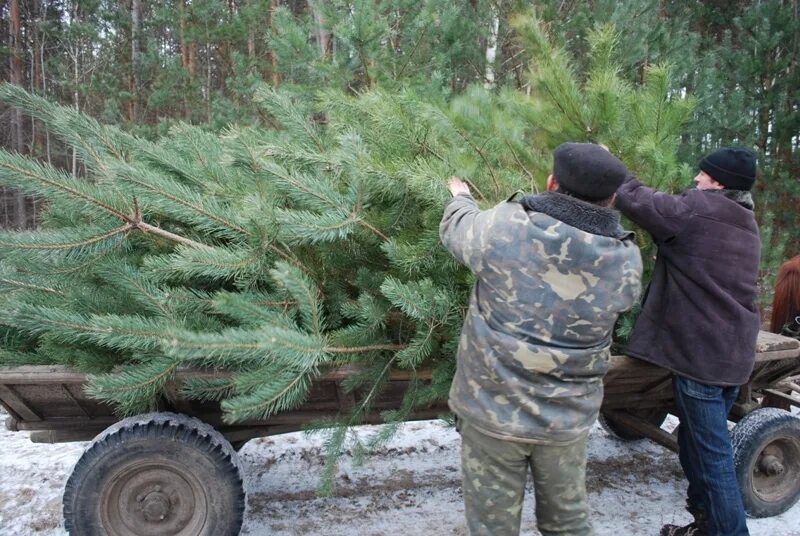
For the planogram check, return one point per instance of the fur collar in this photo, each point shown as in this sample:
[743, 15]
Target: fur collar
[585, 216]
[742, 197]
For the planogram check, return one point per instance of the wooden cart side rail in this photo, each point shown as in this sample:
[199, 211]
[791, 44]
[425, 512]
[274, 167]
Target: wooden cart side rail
[55, 431]
[56, 374]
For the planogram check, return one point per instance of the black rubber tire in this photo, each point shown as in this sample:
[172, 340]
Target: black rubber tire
[159, 474]
[766, 454]
[655, 417]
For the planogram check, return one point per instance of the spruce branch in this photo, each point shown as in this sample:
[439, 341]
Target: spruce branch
[280, 105]
[128, 332]
[420, 348]
[143, 291]
[377, 233]
[305, 293]
[92, 141]
[280, 393]
[337, 430]
[214, 263]
[208, 389]
[179, 195]
[305, 188]
[17, 171]
[87, 241]
[305, 227]
[133, 389]
[146, 228]
[252, 309]
[29, 286]
[364, 349]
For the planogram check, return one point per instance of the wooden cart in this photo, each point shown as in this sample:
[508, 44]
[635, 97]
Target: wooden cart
[177, 471]
[174, 472]
[765, 438]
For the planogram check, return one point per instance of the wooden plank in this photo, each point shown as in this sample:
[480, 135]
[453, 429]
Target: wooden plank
[19, 406]
[40, 374]
[75, 401]
[768, 343]
[9, 410]
[215, 419]
[783, 396]
[46, 374]
[68, 424]
[645, 428]
[63, 436]
[776, 355]
[793, 386]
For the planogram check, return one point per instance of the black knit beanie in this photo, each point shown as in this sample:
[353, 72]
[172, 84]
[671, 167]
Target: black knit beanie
[732, 167]
[587, 170]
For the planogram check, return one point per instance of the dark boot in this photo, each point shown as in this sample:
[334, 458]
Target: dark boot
[674, 530]
[696, 528]
[700, 517]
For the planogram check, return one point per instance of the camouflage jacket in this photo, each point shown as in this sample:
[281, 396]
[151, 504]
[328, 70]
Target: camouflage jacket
[535, 342]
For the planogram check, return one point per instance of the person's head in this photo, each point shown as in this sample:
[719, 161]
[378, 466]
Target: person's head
[586, 171]
[786, 302]
[733, 168]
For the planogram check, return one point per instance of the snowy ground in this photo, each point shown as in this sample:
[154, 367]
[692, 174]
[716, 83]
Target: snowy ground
[411, 487]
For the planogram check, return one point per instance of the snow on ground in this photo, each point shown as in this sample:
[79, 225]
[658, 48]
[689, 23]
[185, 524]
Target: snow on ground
[411, 487]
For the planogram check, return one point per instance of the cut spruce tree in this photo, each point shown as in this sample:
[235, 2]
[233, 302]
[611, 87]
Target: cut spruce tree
[274, 252]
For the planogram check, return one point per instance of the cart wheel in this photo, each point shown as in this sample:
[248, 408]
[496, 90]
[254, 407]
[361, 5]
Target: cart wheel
[159, 474]
[616, 429]
[766, 453]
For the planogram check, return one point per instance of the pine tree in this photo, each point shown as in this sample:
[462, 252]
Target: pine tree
[275, 253]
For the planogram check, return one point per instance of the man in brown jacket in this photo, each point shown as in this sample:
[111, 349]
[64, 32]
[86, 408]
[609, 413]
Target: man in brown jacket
[700, 320]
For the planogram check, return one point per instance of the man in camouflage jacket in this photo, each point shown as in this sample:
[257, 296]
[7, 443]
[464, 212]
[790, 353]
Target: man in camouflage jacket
[553, 272]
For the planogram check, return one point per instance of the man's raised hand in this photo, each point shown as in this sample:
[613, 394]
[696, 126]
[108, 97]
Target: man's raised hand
[457, 186]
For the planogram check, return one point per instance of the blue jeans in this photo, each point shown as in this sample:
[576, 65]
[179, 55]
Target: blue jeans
[706, 454]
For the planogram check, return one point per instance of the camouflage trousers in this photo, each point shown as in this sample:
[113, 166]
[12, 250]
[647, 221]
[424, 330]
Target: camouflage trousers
[495, 472]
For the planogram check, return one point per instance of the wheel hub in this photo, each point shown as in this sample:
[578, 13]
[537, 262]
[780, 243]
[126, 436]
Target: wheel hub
[156, 506]
[771, 466]
[774, 473]
[154, 499]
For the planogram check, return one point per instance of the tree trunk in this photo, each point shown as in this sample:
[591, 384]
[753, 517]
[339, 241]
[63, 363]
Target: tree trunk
[18, 79]
[193, 61]
[209, 53]
[323, 36]
[37, 61]
[276, 76]
[491, 50]
[182, 36]
[44, 91]
[17, 72]
[76, 102]
[136, 13]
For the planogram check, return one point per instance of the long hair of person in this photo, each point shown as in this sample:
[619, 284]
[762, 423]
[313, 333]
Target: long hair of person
[786, 303]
